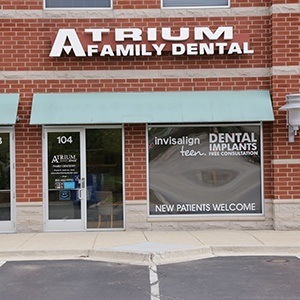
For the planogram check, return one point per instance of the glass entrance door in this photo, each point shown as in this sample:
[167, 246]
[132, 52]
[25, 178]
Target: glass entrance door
[6, 181]
[84, 183]
[65, 188]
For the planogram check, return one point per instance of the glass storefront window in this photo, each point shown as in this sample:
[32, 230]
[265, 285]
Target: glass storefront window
[5, 189]
[78, 4]
[104, 178]
[195, 3]
[205, 170]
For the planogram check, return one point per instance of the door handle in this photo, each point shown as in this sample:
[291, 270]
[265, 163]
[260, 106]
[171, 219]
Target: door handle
[82, 186]
[80, 194]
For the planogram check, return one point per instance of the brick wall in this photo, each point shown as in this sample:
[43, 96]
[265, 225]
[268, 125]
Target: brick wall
[29, 138]
[26, 68]
[26, 45]
[125, 4]
[286, 181]
[285, 54]
[28, 155]
[285, 39]
[135, 162]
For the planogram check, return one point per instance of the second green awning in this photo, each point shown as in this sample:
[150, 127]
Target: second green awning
[152, 107]
[8, 108]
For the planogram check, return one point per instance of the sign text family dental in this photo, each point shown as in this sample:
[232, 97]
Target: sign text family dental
[136, 42]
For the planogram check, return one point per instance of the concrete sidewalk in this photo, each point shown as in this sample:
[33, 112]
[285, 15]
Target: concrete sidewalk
[146, 247]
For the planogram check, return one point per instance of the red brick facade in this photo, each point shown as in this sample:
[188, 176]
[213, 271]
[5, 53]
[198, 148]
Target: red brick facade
[27, 69]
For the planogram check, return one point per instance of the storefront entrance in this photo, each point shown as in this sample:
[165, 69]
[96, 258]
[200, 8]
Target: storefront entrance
[7, 201]
[83, 181]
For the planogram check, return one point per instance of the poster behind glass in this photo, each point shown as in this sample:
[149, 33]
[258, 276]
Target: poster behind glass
[64, 178]
[205, 170]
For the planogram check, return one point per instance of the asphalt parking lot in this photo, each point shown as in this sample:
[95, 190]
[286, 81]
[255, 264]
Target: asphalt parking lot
[213, 278]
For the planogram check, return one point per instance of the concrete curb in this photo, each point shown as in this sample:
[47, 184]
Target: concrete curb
[42, 254]
[148, 258]
[160, 257]
[255, 250]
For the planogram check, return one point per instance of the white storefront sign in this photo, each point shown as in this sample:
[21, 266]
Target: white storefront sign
[152, 42]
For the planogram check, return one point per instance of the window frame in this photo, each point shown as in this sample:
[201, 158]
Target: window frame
[51, 225]
[210, 216]
[77, 8]
[9, 226]
[193, 7]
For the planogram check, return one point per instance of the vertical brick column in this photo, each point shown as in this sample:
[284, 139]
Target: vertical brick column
[136, 177]
[135, 162]
[29, 175]
[285, 80]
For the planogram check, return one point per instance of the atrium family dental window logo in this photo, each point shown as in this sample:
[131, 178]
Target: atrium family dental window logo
[66, 158]
[150, 42]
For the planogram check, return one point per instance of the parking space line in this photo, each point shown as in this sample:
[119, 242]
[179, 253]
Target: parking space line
[154, 284]
[2, 263]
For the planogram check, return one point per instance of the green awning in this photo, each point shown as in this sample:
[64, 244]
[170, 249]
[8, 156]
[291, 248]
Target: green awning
[151, 107]
[8, 108]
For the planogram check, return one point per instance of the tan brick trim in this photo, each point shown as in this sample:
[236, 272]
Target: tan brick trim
[286, 162]
[121, 74]
[150, 13]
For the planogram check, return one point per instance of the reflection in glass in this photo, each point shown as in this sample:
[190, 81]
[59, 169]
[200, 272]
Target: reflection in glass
[64, 175]
[5, 207]
[194, 3]
[204, 170]
[77, 3]
[104, 178]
